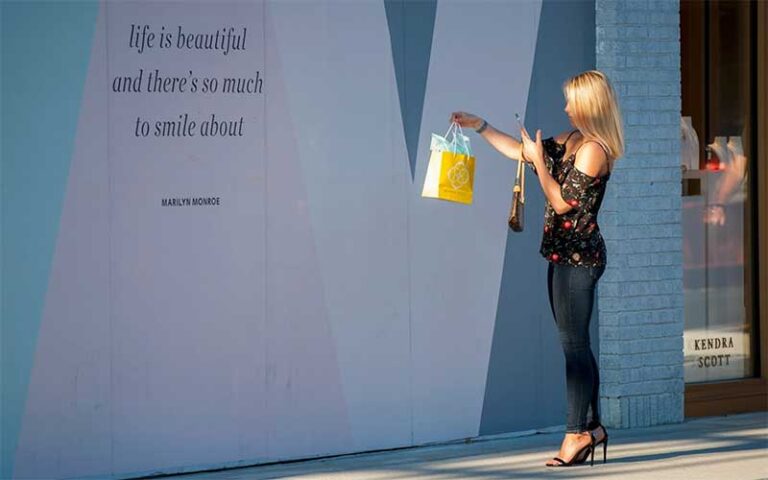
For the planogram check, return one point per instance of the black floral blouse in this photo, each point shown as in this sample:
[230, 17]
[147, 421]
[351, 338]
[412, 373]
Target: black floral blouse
[574, 237]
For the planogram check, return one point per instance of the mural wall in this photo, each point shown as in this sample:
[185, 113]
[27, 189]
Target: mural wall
[214, 248]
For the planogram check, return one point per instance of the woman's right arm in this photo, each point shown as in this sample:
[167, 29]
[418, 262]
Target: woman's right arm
[504, 143]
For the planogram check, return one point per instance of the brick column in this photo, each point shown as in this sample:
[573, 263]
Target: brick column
[640, 296]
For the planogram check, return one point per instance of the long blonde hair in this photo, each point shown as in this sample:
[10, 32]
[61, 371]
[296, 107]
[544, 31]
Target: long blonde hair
[596, 110]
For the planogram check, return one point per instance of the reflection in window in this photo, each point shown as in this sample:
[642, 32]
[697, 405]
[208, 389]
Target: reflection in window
[715, 158]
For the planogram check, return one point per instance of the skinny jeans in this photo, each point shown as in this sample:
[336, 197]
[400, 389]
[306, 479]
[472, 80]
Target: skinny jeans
[571, 297]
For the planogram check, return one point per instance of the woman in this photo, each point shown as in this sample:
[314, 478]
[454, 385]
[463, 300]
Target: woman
[573, 169]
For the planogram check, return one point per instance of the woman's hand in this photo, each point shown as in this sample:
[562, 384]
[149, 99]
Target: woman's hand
[466, 120]
[532, 151]
[714, 215]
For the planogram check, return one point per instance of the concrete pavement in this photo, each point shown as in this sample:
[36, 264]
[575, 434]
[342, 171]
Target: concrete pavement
[718, 448]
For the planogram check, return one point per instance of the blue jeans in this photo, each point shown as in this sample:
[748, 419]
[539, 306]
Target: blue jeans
[571, 297]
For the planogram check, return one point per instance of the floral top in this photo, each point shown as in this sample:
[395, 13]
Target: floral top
[574, 237]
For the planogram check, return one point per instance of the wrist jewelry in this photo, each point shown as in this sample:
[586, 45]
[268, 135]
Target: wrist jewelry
[482, 127]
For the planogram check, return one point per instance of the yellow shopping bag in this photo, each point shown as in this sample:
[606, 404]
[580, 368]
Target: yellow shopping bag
[451, 169]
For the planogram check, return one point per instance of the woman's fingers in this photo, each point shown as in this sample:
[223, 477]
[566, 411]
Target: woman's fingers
[524, 134]
[459, 117]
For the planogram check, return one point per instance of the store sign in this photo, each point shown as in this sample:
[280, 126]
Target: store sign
[715, 355]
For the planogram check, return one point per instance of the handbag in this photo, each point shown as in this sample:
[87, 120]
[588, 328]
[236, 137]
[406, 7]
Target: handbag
[517, 209]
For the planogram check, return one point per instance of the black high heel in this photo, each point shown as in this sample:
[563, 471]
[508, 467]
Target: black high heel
[580, 456]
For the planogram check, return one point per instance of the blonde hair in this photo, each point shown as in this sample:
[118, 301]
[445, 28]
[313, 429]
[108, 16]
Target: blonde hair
[596, 110]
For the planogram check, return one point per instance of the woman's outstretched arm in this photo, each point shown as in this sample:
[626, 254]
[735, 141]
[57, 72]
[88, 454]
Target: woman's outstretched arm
[503, 142]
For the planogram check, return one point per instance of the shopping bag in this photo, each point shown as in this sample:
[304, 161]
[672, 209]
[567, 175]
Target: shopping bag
[451, 169]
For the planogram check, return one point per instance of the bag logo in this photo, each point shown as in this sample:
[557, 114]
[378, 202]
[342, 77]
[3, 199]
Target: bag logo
[458, 175]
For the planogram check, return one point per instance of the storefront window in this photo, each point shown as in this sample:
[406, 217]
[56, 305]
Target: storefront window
[716, 155]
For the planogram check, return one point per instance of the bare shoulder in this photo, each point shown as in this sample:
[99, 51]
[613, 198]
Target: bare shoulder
[591, 159]
[561, 137]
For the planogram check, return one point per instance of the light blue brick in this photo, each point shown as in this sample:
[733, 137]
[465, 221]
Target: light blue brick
[638, 118]
[660, 217]
[651, 102]
[647, 159]
[639, 273]
[652, 317]
[632, 149]
[654, 133]
[611, 361]
[609, 290]
[631, 289]
[643, 245]
[609, 32]
[663, 6]
[639, 260]
[668, 88]
[608, 218]
[647, 204]
[640, 303]
[610, 332]
[662, 18]
[625, 411]
[650, 345]
[665, 46]
[633, 89]
[632, 190]
[658, 231]
[660, 173]
[667, 146]
[668, 259]
[607, 318]
[628, 4]
[652, 359]
[672, 119]
[644, 74]
[652, 387]
[614, 16]
[610, 348]
[663, 32]
[616, 60]
[632, 184]
[654, 60]
[612, 376]
[638, 390]
[635, 47]
[648, 331]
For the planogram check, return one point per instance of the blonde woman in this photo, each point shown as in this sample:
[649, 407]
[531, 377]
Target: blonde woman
[573, 169]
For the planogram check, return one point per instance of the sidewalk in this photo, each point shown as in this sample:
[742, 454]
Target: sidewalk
[722, 448]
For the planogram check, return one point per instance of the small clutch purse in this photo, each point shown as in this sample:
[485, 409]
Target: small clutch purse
[517, 209]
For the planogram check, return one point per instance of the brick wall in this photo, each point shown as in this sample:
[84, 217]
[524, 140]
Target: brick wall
[640, 296]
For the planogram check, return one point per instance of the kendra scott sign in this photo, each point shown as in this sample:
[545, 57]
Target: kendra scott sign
[712, 355]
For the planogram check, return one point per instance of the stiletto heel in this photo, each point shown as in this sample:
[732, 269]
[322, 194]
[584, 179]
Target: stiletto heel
[603, 440]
